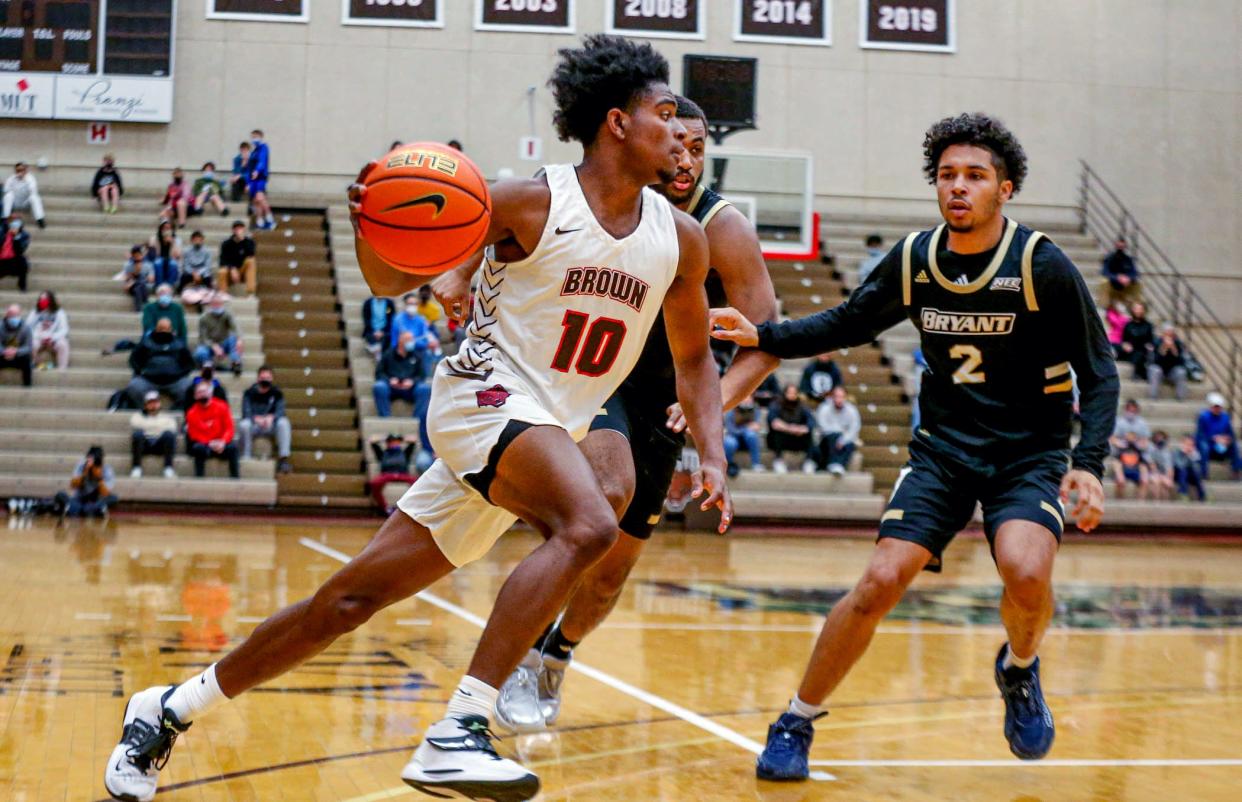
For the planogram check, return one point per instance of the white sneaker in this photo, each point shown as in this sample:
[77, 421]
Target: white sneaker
[517, 706]
[836, 469]
[759, 467]
[457, 759]
[147, 737]
[136, 473]
[169, 473]
[550, 680]
[808, 466]
[778, 466]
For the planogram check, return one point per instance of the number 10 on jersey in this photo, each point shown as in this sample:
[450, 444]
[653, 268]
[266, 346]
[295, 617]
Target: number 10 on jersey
[600, 344]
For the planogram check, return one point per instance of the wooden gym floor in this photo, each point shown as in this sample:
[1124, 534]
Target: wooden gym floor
[1143, 670]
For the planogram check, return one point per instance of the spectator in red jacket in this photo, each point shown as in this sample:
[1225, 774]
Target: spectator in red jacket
[209, 431]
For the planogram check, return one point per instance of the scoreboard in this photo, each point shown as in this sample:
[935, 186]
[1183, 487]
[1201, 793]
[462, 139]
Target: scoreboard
[87, 59]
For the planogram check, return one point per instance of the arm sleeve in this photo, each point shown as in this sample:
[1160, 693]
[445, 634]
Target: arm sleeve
[1064, 294]
[855, 426]
[279, 410]
[870, 309]
[226, 419]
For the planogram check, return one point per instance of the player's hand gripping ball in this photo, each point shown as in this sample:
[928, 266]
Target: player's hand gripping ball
[425, 208]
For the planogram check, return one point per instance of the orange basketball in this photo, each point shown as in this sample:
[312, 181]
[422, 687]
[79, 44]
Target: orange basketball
[426, 208]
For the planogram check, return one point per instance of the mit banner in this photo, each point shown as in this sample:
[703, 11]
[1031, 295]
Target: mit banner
[913, 25]
[538, 16]
[798, 22]
[667, 19]
[393, 13]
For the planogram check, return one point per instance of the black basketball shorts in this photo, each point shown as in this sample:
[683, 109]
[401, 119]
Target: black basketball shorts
[655, 451]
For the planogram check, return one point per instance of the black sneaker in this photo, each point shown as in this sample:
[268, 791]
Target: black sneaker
[1028, 721]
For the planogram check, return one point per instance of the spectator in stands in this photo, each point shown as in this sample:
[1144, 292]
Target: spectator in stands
[1131, 466]
[106, 186]
[394, 466]
[177, 199]
[152, 431]
[1122, 275]
[160, 362]
[839, 425]
[455, 145]
[92, 483]
[258, 169]
[741, 428]
[49, 330]
[430, 308]
[875, 253]
[819, 377]
[1168, 364]
[15, 343]
[209, 432]
[377, 315]
[409, 320]
[1159, 458]
[21, 191]
[1214, 437]
[768, 391]
[263, 415]
[208, 189]
[238, 182]
[198, 270]
[13, 260]
[164, 253]
[206, 375]
[399, 374]
[218, 336]
[790, 425]
[1186, 469]
[1129, 422]
[164, 308]
[237, 254]
[1138, 340]
[1117, 317]
[138, 276]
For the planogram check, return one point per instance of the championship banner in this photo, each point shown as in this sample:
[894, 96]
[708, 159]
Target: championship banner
[796, 22]
[259, 10]
[926, 25]
[657, 19]
[393, 13]
[537, 16]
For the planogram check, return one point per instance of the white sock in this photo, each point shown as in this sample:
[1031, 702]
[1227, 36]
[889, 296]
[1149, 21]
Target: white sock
[802, 709]
[1013, 661]
[472, 698]
[197, 696]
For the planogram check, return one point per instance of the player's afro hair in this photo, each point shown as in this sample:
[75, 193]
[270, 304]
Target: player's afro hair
[607, 72]
[983, 131]
[687, 109]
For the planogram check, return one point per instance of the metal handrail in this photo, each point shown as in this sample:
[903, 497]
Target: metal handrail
[1167, 292]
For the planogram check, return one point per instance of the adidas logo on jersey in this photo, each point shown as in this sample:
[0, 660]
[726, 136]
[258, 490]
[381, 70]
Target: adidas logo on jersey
[967, 322]
[961, 281]
[922, 278]
[1012, 283]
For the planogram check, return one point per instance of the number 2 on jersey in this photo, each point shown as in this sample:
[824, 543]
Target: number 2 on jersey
[598, 352]
[966, 373]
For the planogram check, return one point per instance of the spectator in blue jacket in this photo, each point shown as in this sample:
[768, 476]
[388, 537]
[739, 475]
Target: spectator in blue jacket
[257, 173]
[377, 317]
[1214, 437]
[409, 320]
[238, 180]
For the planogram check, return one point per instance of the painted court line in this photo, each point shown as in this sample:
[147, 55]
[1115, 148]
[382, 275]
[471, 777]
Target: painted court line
[658, 702]
[935, 630]
[1026, 764]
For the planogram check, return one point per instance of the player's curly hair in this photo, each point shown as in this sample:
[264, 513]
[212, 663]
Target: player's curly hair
[1008, 157]
[687, 109]
[607, 72]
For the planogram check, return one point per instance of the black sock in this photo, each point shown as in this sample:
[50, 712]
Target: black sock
[558, 646]
[543, 636]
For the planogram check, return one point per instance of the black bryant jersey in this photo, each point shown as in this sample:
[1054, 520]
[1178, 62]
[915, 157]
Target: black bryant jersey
[1000, 332]
[652, 383]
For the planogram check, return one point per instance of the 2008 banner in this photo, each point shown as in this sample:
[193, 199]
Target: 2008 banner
[667, 19]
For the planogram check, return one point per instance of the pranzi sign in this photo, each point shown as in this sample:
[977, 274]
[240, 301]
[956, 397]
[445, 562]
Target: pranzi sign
[108, 98]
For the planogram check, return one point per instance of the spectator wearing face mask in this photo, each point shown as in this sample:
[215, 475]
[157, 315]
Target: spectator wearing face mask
[138, 276]
[13, 247]
[1215, 437]
[1186, 473]
[394, 457]
[263, 415]
[1138, 340]
[152, 431]
[93, 484]
[164, 252]
[237, 181]
[106, 186]
[790, 425]
[206, 375]
[430, 308]
[164, 308]
[409, 320]
[1168, 364]
[875, 255]
[1159, 457]
[209, 432]
[161, 362]
[237, 259]
[21, 191]
[819, 377]
[218, 336]
[1117, 317]
[258, 169]
[840, 424]
[15, 345]
[741, 429]
[197, 267]
[377, 316]
[207, 190]
[49, 329]
[177, 199]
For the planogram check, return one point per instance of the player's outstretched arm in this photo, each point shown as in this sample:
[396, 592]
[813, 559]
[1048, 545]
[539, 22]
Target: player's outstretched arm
[698, 385]
[519, 212]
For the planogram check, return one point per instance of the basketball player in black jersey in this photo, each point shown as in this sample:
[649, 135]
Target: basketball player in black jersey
[1006, 325]
[634, 444]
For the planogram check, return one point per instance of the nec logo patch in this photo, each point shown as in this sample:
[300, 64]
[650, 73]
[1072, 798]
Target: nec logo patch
[494, 396]
[1013, 284]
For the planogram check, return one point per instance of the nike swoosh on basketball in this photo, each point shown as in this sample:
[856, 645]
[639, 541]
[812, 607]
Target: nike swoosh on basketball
[560, 230]
[435, 199]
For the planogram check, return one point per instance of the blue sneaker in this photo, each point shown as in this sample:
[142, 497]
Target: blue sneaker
[1028, 721]
[789, 741]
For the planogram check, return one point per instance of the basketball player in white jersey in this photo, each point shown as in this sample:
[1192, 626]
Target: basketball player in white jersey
[577, 268]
